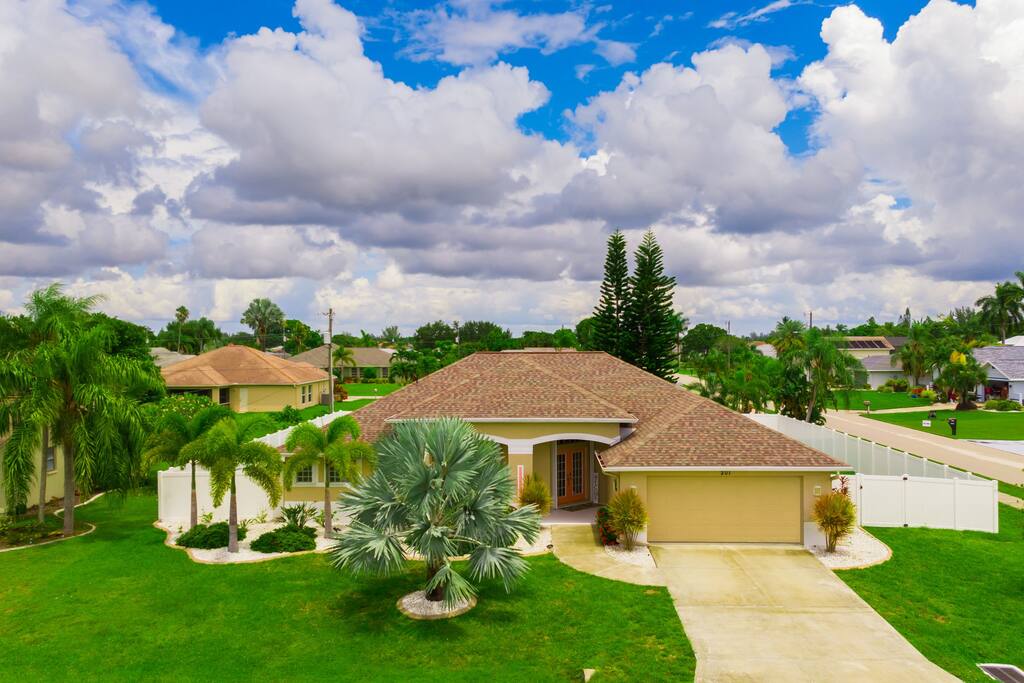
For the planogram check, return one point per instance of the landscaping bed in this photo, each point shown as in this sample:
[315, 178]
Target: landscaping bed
[27, 531]
[139, 609]
[971, 424]
[957, 596]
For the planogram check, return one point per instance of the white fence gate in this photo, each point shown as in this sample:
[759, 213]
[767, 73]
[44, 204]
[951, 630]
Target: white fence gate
[174, 487]
[895, 488]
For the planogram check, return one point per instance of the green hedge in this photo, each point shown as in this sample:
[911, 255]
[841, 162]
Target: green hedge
[208, 536]
[286, 539]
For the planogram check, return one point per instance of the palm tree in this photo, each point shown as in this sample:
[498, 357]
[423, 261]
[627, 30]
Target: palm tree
[228, 447]
[1004, 308]
[68, 383]
[961, 373]
[826, 367]
[441, 490]
[788, 336]
[916, 354]
[342, 357]
[181, 315]
[390, 336]
[261, 316]
[173, 432]
[338, 447]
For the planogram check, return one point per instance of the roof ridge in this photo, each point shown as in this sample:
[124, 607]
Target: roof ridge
[582, 389]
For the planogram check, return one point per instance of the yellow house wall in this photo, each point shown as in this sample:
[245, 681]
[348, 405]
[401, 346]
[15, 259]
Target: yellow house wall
[534, 430]
[54, 479]
[314, 493]
[542, 463]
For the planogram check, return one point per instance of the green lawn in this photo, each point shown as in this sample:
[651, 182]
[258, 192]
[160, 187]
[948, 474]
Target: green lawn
[971, 424]
[119, 605]
[371, 389]
[879, 400]
[957, 596]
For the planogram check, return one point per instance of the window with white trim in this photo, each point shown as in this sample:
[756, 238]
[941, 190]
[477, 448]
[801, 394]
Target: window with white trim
[50, 450]
[305, 475]
[332, 475]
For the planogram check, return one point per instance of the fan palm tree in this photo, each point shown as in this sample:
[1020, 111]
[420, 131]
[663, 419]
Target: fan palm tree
[181, 315]
[173, 432]
[261, 316]
[826, 366]
[1004, 308]
[338, 446]
[69, 384]
[228, 447]
[440, 490]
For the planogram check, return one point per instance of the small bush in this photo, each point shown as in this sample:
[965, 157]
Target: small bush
[1001, 404]
[286, 539]
[897, 384]
[368, 375]
[298, 515]
[628, 516]
[885, 389]
[288, 416]
[208, 536]
[604, 527]
[534, 491]
[835, 515]
[929, 395]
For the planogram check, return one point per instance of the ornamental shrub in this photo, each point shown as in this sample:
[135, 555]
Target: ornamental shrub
[535, 492]
[604, 527]
[286, 539]
[929, 395]
[897, 384]
[297, 516]
[835, 515]
[628, 516]
[885, 389]
[288, 416]
[208, 536]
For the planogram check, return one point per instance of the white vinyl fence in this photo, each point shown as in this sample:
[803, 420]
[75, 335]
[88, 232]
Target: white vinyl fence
[895, 488]
[174, 487]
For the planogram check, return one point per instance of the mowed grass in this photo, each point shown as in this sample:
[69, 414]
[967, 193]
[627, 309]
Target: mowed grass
[971, 424]
[371, 389]
[118, 604]
[880, 400]
[957, 596]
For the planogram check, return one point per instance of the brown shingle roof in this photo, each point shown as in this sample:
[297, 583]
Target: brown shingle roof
[242, 365]
[364, 356]
[673, 427]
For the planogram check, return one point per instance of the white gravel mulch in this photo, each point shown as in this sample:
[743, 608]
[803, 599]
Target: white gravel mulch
[245, 553]
[858, 550]
[539, 546]
[416, 606]
[639, 556]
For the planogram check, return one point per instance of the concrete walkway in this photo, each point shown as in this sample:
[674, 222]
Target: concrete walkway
[774, 613]
[967, 455]
[576, 546]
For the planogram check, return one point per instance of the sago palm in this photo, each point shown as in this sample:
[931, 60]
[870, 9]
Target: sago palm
[440, 490]
[227, 448]
[338, 446]
[173, 432]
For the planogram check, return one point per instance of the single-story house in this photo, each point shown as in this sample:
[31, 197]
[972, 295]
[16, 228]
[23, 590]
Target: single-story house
[364, 357]
[54, 471]
[881, 369]
[1005, 368]
[248, 380]
[590, 425]
[765, 349]
[865, 347]
[1015, 341]
[163, 357]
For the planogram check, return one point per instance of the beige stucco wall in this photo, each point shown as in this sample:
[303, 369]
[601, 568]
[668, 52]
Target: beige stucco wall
[534, 430]
[54, 479]
[542, 462]
[314, 493]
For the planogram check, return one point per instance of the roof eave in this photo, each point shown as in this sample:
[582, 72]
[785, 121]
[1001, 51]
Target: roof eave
[729, 468]
[581, 420]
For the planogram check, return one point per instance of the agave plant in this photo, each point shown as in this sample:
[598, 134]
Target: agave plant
[441, 490]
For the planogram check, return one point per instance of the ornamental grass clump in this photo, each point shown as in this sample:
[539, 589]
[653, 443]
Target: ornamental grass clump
[836, 516]
[440, 490]
[628, 516]
[535, 493]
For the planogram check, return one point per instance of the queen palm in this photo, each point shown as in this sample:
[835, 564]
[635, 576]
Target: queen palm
[916, 354]
[69, 384]
[343, 357]
[181, 315]
[826, 366]
[788, 336]
[1004, 308]
[173, 432]
[228, 447]
[337, 447]
[440, 490]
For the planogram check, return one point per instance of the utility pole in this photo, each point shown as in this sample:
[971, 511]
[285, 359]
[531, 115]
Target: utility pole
[330, 352]
[810, 320]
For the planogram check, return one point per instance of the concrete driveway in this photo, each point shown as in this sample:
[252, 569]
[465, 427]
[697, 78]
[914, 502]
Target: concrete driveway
[774, 613]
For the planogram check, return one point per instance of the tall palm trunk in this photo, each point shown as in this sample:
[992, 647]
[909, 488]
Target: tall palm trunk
[233, 519]
[69, 488]
[328, 520]
[810, 402]
[41, 512]
[194, 512]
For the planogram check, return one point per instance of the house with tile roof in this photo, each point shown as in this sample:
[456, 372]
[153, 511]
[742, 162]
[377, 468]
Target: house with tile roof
[589, 425]
[248, 380]
[1005, 368]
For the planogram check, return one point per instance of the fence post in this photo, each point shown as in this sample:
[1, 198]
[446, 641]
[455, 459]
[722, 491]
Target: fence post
[903, 501]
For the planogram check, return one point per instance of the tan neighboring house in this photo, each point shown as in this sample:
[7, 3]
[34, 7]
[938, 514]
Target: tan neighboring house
[590, 424]
[54, 472]
[248, 380]
[364, 357]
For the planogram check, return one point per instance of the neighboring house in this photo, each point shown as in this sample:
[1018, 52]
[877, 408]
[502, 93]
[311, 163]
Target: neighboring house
[865, 347]
[364, 357]
[164, 357]
[897, 343]
[1015, 341]
[590, 424]
[54, 472]
[765, 349]
[1005, 368]
[881, 369]
[248, 380]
